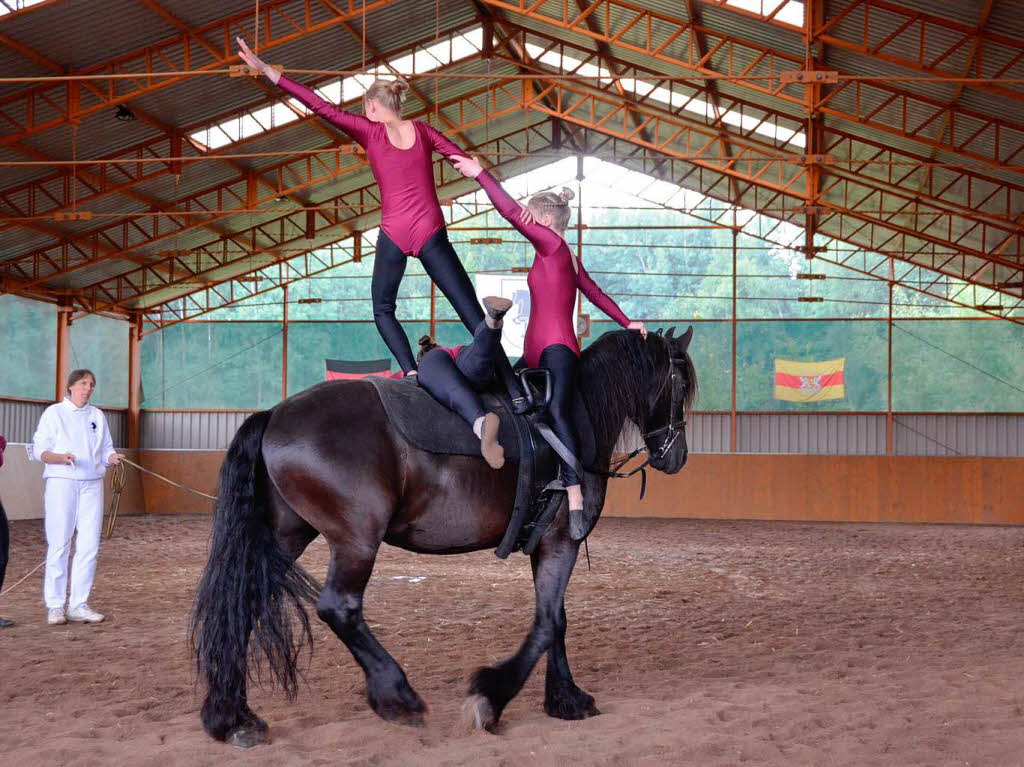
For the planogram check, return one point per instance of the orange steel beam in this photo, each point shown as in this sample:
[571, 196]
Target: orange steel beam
[920, 42]
[985, 193]
[604, 54]
[131, 290]
[325, 256]
[493, 20]
[693, 13]
[986, 197]
[49, 105]
[55, 192]
[63, 367]
[972, 61]
[865, 259]
[86, 175]
[134, 420]
[711, 190]
[610, 115]
[874, 104]
[119, 238]
[22, 11]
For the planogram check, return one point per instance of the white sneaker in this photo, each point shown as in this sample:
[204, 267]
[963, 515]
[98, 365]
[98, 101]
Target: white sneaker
[84, 614]
[55, 616]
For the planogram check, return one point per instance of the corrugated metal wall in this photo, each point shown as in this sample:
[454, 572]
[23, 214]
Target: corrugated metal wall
[804, 433]
[940, 434]
[19, 418]
[812, 434]
[190, 429]
[708, 433]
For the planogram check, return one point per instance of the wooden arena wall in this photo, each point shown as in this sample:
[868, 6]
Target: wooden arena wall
[981, 490]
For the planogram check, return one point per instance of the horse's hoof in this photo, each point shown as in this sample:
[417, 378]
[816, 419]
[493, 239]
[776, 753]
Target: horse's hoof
[570, 703]
[247, 736]
[477, 713]
[405, 708]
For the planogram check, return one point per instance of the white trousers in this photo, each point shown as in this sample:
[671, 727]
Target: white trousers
[71, 504]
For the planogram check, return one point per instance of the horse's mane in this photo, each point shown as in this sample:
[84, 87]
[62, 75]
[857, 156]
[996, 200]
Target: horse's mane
[615, 371]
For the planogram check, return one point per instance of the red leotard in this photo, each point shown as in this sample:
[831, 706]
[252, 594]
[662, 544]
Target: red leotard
[552, 280]
[410, 210]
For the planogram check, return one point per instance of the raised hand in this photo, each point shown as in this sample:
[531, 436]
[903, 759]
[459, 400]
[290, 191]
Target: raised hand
[525, 215]
[255, 63]
[469, 167]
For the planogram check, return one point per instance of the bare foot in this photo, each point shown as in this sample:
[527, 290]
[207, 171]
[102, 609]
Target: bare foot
[492, 452]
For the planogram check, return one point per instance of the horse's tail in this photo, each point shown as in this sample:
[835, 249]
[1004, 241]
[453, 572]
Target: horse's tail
[248, 587]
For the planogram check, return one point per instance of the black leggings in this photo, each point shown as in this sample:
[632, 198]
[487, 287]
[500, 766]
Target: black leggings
[455, 383]
[563, 364]
[444, 268]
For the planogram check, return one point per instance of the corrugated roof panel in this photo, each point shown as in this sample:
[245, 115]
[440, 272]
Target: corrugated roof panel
[78, 36]
[21, 240]
[15, 64]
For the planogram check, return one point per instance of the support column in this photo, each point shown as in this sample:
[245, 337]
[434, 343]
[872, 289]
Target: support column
[64, 310]
[134, 431]
[890, 431]
[284, 342]
[732, 409]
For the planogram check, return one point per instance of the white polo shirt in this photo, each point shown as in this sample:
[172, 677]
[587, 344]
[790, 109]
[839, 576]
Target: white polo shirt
[82, 431]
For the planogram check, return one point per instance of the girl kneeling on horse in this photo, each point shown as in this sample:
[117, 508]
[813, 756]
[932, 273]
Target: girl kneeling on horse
[553, 279]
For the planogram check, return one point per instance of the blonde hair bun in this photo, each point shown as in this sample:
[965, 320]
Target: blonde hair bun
[388, 93]
[566, 194]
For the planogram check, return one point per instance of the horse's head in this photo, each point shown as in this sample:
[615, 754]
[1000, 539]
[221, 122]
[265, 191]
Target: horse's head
[672, 389]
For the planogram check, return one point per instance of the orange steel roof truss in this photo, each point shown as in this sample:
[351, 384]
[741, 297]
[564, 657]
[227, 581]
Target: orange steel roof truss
[936, 184]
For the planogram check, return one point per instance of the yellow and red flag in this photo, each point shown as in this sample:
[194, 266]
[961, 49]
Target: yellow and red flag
[810, 381]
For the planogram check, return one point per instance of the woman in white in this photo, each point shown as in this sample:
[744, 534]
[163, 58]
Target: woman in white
[73, 440]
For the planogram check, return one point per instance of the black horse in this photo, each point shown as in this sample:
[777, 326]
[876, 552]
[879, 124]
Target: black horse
[327, 461]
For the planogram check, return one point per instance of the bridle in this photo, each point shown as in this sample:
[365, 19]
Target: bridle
[674, 427]
[671, 430]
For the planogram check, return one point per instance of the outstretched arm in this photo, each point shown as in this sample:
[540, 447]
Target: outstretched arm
[541, 237]
[355, 126]
[600, 299]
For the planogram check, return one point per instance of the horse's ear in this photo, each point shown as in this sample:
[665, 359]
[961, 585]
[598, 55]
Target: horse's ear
[670, 332]
[685, 338]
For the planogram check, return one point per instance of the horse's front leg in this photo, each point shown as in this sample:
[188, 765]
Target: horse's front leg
[562, 698]
[493, 687]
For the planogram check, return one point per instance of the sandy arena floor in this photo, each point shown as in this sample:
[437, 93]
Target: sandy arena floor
[706, 643]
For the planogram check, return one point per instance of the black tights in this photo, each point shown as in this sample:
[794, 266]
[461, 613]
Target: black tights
[443, 267]
[455, 383]
[563, 364]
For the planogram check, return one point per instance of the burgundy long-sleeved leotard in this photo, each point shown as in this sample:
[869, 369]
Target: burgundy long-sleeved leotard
[410, 210]
[552, 280]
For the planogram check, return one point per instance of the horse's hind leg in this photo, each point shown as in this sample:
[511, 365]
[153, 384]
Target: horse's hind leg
[493, 687]
[341, 607]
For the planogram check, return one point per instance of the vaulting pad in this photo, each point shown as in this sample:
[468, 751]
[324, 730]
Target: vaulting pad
[428, 425]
